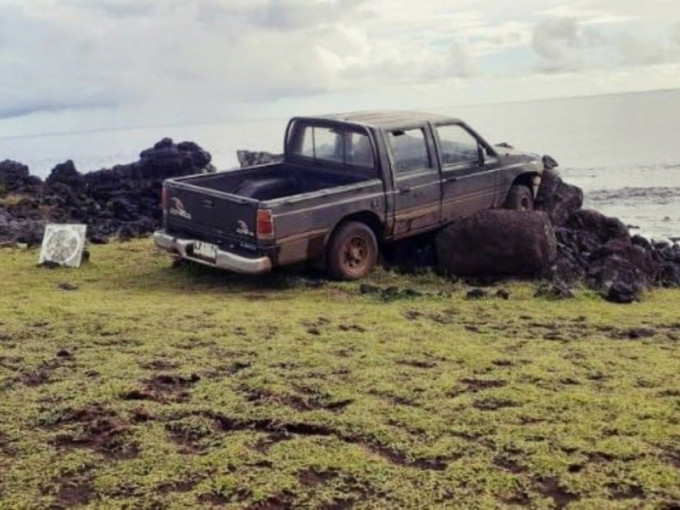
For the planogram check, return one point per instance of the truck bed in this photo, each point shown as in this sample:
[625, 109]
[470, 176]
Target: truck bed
[279, 180]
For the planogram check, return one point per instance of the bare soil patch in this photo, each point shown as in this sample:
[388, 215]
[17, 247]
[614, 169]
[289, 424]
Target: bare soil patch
[551, 488]
[163, 388]
[103, 431]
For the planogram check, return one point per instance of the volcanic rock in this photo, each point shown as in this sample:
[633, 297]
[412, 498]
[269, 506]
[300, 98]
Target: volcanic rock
[15, 178]
[253, 158]
[557, 198]
[123, 201]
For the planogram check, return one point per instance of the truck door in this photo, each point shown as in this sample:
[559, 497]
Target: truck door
[470, 171]
[415, 173]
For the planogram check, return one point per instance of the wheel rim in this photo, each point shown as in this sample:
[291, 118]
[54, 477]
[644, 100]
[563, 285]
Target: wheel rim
[356, 255]
[525, 204]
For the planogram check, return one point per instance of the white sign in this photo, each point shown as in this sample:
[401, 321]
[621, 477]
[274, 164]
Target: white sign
[63, 244]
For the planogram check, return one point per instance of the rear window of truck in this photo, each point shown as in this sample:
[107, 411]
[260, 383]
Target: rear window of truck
[334, 145]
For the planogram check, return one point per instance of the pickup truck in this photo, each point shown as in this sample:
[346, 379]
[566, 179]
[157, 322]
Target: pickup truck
[348, 183]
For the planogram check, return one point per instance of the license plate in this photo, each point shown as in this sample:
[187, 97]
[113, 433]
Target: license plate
[205, 250]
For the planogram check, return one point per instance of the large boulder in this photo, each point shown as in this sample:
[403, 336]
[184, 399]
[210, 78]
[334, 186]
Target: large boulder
[498, 243]
[557, 198]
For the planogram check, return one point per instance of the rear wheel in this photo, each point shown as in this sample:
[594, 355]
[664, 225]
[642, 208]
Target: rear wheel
[352, 251]
[520, 198]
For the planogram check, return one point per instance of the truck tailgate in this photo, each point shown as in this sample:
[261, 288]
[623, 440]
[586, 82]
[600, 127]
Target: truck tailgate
[209, 215]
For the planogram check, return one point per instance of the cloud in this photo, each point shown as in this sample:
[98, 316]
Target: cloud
[569, 44]
[179, 60]
[676, 35]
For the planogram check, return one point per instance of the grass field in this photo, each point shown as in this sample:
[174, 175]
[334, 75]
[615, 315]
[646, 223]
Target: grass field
[154, 386]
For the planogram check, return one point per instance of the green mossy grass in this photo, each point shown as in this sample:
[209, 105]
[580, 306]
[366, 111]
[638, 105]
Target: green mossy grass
[159, 386]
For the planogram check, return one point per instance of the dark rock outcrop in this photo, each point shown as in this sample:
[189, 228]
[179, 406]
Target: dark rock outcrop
[123, 201]
[558, 198]
[15, 178]
[498, 243]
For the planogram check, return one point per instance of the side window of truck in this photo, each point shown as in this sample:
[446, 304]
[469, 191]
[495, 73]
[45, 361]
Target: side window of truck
[457, 145]
[409, 150]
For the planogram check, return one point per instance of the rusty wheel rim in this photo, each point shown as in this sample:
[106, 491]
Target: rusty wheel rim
[355, 255]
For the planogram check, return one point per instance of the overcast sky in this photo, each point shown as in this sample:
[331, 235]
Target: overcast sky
[79, 64]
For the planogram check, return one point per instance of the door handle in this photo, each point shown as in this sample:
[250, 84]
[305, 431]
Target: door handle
[404, 189]
[451, 179]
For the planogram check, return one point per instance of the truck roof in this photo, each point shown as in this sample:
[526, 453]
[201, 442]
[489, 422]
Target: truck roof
[386, 119]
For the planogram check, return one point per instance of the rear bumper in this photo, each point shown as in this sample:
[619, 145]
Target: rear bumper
[223, 259]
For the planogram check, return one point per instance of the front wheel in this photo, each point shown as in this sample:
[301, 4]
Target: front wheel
[520, 198]
[352, 251]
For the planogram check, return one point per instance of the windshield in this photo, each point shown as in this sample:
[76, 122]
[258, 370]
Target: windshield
[339, 145]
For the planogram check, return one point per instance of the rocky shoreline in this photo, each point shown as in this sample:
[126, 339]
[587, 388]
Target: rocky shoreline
[569, 244]
[122, 201]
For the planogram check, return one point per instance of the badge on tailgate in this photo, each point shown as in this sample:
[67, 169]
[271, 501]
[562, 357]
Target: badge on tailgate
[242, 228]
[178, 209]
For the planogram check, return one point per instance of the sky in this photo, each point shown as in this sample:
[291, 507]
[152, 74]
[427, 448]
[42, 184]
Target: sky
[69, 65]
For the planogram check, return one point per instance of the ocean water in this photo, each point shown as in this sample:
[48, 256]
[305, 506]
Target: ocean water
[623, 150]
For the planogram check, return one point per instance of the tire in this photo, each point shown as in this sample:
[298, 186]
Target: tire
[520, 198]
[352, 251]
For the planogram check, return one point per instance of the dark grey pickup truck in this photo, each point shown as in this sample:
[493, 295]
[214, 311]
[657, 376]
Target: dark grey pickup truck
[348, 183]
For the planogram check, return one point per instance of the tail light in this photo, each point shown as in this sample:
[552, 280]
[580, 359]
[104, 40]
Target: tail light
[164, 199]
[265, 224]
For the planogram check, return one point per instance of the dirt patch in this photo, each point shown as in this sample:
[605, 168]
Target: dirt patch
[159, 364]
[102, 431]
[306, 399]
[213, 499]
[6, 447]
[398, 458]
[11, 362]
[73, 492]
[283, 501]
[550, 487]
[413, 315]
[141, 415]
[41, 375]
[181, 486]
[163, 388]
[352, 327]
[635, 333]
[508, 463]
[313, 477]
[352, 489]
[673, 457]
[493, 404]
[189, 431]
[476, 385]
[263, 445]
[626, 491]
[399, 400]
[417, 363]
